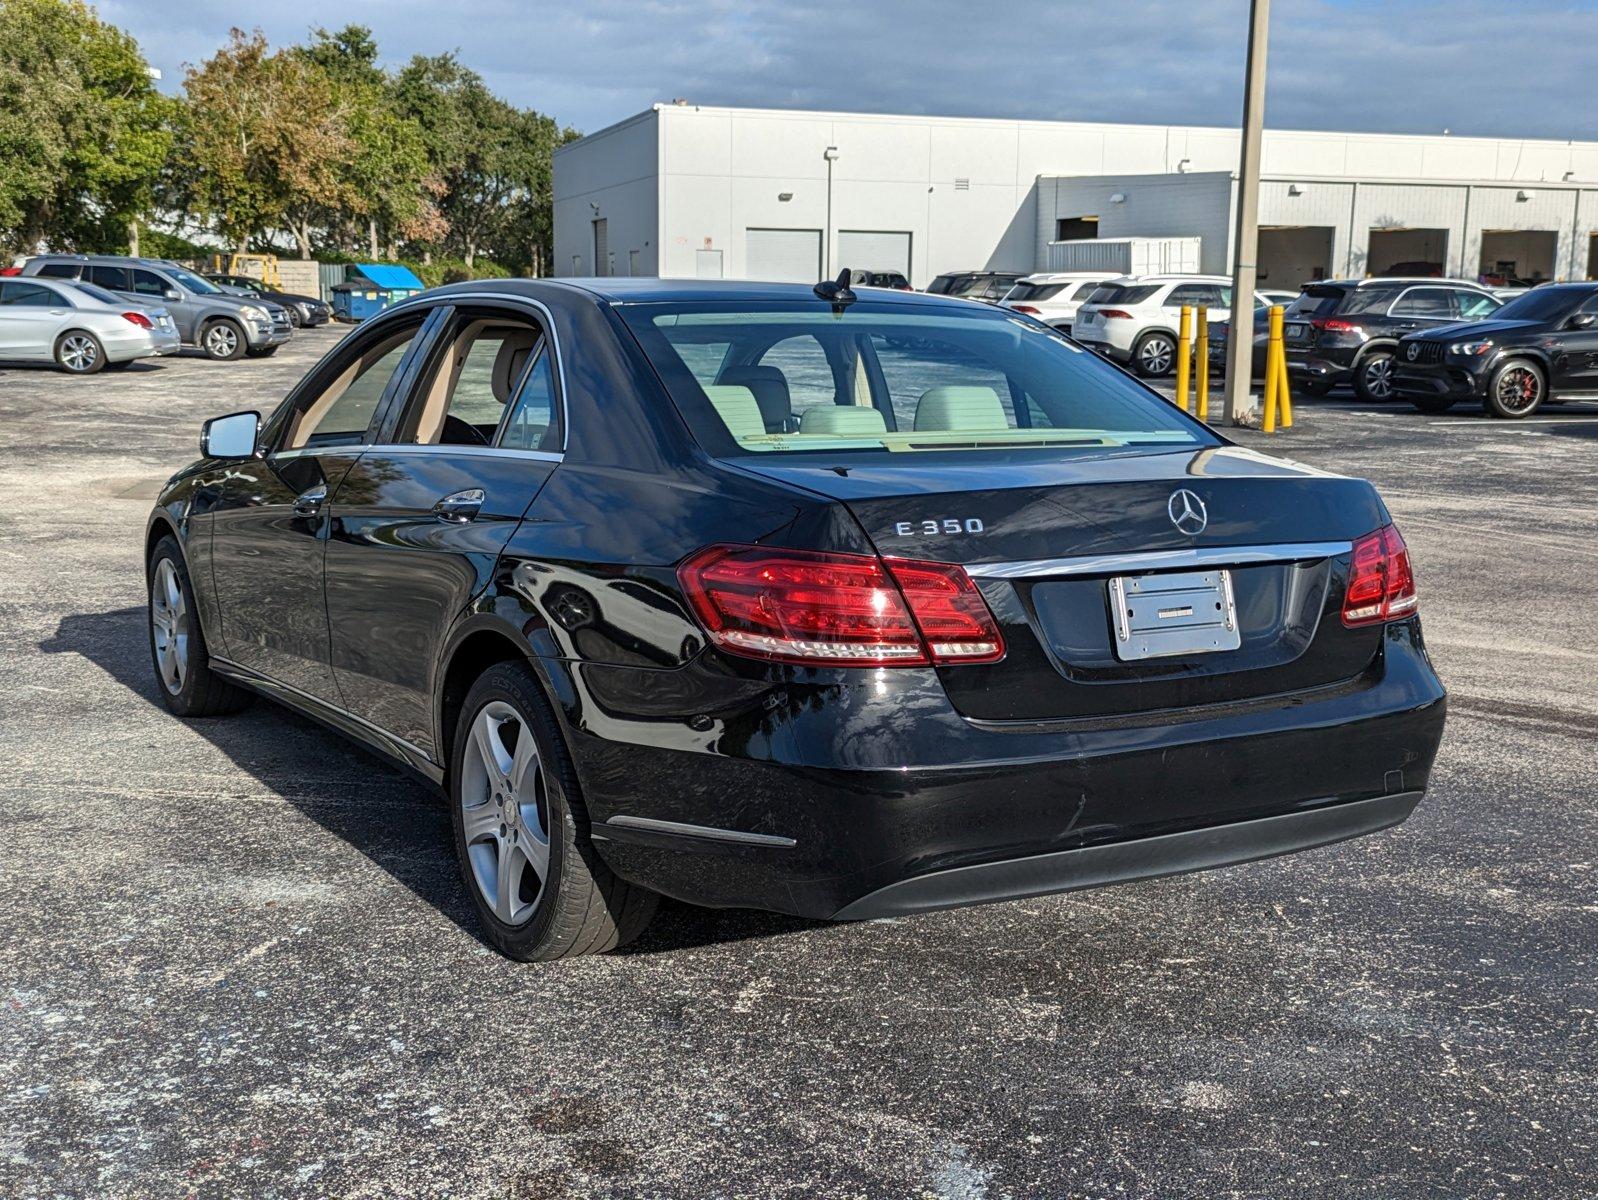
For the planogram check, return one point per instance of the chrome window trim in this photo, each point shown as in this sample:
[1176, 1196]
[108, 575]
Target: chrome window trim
[1158, 560]
[415, 448]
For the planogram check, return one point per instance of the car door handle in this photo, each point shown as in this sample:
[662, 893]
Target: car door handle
[309, 503]
[460, 507]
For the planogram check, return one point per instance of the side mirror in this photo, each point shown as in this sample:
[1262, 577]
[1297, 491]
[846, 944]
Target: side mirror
[172, 294]
[1581, 321]
[232, 436]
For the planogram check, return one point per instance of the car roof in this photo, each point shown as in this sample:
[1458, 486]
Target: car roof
[1054, 276]
[649, 290]
[1376, 280]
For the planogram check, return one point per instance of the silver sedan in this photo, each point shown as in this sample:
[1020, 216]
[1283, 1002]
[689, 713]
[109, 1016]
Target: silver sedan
[79, 327]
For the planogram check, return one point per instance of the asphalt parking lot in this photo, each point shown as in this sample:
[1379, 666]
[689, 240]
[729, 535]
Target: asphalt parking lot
[236, 957]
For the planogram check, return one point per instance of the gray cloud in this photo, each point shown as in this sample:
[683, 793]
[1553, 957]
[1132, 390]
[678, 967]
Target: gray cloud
[1491, 67]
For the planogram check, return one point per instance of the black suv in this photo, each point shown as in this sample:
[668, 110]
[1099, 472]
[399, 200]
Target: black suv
[1540, 347]
[1345, 331]
[991, 286]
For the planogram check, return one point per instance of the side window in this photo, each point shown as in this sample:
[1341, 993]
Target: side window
[115, 278]
[1591, 306]
[1430, 302]
[474, 378]
[59, 270]
[534, 422]
[1188, 293]
[341, 413]
[28, 295]
[1473, 306]
[148, 283]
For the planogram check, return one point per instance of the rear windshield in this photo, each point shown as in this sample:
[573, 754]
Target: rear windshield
[883, 382]
[1123, 293]
[1321, 303]
[1036, 291]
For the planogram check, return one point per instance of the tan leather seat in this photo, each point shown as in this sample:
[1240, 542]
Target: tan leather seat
[843, 420]
[960, 407]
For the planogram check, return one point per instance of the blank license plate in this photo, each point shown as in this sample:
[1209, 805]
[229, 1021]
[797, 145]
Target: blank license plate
[1294, 331]
[1187, 612]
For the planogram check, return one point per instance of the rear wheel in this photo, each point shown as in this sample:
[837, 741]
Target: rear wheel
[521, 831]
[1517, 390]
[222, 341]
[1154, 354]
[1373, 378]
[79, 352]
[177, 646]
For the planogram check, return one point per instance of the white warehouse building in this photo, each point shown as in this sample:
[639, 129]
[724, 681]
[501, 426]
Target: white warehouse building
[687, 191]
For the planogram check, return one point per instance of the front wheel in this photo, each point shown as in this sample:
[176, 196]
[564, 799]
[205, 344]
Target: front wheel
[1517, 390]
[521, 832]
[222, 341]
[1373, 378]
[177, 646]
[79, 352]
[1154, 355]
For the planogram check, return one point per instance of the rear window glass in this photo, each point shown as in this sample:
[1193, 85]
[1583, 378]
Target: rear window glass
[1315, 304]
[1123, 293]
[98, 293]
[886, 382]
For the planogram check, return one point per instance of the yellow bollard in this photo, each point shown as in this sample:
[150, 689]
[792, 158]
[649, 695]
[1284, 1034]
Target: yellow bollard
[1275, 367]
[1203, 366]
[1284, 398]
[1184, 356]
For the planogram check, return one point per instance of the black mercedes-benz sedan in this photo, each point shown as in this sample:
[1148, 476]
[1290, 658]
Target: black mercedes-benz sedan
[840, 603]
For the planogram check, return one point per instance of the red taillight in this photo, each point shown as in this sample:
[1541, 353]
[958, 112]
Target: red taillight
[1381, 585]
[10, 270]
[138, 318]
[1333, 325]
[1026, 308]
[801, 606]
[1119, 314]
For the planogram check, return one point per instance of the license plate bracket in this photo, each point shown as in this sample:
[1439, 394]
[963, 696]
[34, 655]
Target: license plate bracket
[1174, 613]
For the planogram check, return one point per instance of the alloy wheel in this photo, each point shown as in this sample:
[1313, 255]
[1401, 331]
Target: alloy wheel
[1518, 390]
[78, 352]
[505, 813]
[1379, 377]
[1155, 355]
[169, 624]
[221, 341]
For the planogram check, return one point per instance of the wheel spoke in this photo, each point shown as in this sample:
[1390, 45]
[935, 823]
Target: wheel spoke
[509, 880]
[481, 821]
[496, 760]
[523, 764]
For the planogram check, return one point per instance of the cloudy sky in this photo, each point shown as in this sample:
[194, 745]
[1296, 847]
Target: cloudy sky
[1489, 67]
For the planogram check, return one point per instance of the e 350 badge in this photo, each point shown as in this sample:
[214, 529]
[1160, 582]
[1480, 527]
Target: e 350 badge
[945, 525]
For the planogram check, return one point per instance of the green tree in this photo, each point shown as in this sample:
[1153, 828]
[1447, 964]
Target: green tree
[265, 141]
[83, 131]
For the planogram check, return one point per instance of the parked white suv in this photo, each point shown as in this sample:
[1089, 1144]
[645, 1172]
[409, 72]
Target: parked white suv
[1053, 297]
[1134, 319]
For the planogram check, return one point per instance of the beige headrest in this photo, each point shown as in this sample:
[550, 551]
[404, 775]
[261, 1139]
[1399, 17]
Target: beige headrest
[849, 420]
[960, 407]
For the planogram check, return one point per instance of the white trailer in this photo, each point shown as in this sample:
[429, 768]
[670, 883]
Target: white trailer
[1126, 256]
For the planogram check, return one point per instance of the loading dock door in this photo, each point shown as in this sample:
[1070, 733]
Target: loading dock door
[1292, 255]
[1407, 252]
[783, 255]
[1592, 257]
[874, 250]
[1513, 256]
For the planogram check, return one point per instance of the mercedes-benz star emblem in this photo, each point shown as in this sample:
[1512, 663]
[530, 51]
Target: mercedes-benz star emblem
[1187, 512]
[1413, 351]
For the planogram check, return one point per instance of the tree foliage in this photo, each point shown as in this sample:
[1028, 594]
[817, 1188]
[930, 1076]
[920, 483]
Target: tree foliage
[318, 143]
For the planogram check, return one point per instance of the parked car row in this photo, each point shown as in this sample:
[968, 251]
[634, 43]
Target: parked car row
[305, 312]
[1134, 320]
[88, 312]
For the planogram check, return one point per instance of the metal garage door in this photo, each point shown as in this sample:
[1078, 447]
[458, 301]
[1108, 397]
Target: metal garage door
[783, 255]
[874, 250]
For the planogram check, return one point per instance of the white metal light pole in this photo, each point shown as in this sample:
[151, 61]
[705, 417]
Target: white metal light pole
[831, 155]
[1246, 234]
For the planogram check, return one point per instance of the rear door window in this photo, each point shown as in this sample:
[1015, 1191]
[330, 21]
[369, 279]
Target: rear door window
[148, 283]
[1474, 306]
[1431, 303]
[113, 278]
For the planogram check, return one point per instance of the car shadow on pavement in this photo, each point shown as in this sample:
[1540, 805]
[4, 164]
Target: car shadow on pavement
[398, 822]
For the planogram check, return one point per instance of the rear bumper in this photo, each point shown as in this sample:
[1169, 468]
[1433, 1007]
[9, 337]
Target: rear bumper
[1315, 367]
[1110, 350]
[841, 800]
[1124, 862]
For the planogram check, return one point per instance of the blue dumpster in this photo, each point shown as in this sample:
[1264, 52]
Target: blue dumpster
[369, 288]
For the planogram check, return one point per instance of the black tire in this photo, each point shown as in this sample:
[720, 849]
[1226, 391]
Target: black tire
[1154, 355]
[79, 352]
[294, 318]
[222, 340]
[119, 366]
[262, 351]
[1433, 405]
[1373, 377]
[1517, 389]
[199, 691]
[580, 906]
